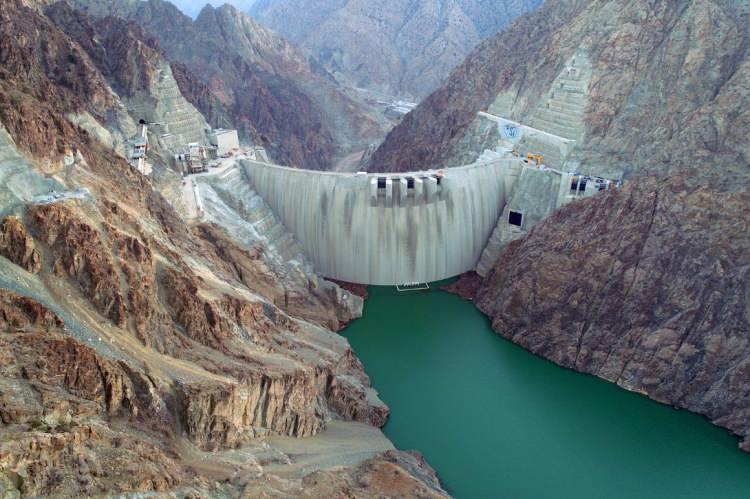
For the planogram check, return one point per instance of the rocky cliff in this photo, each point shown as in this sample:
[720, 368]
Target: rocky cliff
[674, 72]
[644, 286]
[394, 47]
[246, 76]
[135, 348]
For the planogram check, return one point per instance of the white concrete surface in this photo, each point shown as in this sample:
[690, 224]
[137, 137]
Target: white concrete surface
[356, 234]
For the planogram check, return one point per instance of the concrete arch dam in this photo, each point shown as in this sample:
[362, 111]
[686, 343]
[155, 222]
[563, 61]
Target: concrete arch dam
[389, 229]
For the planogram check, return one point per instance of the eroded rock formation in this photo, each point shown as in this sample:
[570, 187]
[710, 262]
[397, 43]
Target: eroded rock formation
[645, 287]
[132, 343]
[399, 48]
[18, 246]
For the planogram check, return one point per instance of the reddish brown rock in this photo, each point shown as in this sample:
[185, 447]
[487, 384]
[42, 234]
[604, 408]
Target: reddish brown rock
[200, 319]
[466, 286]
[87, 460]
[391, 474]
[80, 253]
[18, 246]
[646, 287]
[17, 312]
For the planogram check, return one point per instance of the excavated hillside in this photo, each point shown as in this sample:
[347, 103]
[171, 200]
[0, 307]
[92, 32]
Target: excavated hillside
[240, 74]
[394, 47]
[141, 354]
[667, 82]
[647, 285]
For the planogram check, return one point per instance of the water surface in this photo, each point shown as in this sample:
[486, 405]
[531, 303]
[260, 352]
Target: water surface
[496, 421]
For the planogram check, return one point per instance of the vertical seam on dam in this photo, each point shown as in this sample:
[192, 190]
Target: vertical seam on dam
[364, 228]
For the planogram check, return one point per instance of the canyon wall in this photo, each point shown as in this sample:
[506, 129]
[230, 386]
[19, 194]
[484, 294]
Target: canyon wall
[139, 353]
[645, 287]
[393, 47]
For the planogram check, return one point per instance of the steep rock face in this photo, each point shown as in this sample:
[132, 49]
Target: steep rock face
[675, 71]
[128, 65]
[130, 348]
[79, 252]
[223, 416]
[138, 71]
[257, 81]
[645, 287]
[18, 246]
[44, 76]
[396, 47]
[309, 300]
[16, 312]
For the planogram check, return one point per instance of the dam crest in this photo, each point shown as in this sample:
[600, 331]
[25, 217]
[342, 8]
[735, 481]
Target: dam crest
[390, 229]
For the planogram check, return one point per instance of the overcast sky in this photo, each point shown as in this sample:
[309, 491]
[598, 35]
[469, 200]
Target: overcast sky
[192, 7]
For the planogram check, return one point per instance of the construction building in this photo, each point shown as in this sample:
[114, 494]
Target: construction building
[139, 151]
[225, 141]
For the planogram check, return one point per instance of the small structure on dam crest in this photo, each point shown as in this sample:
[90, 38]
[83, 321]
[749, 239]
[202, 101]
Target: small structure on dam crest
[390, 229]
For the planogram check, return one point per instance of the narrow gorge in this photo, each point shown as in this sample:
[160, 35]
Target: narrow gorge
[234, 267]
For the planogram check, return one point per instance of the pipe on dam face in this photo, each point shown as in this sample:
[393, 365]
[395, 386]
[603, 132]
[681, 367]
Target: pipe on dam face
[388, 229]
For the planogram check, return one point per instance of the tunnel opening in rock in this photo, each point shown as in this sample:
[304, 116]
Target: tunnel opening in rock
[515, 218]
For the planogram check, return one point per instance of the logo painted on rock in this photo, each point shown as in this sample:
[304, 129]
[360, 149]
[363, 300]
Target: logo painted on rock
[510, 131]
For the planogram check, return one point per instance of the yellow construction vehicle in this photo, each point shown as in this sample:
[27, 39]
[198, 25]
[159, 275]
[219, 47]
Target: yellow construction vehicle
[537, 158]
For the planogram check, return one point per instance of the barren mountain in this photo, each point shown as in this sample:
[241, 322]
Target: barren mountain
[662, 82]
[241, 74]
[645, 286]
[141, 353]
[396, 47]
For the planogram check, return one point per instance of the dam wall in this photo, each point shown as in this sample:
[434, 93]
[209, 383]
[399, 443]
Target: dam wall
[388, 229]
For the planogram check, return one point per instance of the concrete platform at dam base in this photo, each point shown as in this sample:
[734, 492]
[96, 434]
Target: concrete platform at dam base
[391, 229]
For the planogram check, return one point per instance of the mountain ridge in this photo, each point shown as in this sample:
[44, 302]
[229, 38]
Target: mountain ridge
[397, 48]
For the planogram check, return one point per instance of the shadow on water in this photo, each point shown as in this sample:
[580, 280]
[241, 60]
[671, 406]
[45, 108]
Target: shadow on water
[497, 421]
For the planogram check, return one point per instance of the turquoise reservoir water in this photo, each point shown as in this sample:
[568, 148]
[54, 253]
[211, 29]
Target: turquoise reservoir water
[496, 421]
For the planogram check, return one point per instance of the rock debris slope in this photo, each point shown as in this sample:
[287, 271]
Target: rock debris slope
[241, 74]
[140, 354]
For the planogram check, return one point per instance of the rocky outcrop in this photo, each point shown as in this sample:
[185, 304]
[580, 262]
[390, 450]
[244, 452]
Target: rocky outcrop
[18, 246]
[129, 65]
[391, 474]
[645, 287]
[228, 416]
[316, 302]
[400, 48]
[257, 81]
[66, 413]
[86, 460]
[79, 252]
[17, 312]
[696, 50]
[44, 76]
